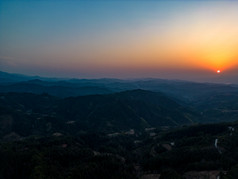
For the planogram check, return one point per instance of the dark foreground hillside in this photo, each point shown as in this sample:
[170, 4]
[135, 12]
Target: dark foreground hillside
[169, 153]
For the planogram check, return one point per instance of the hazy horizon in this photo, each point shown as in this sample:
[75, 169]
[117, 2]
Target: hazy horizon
[232, 79]
[186, 40]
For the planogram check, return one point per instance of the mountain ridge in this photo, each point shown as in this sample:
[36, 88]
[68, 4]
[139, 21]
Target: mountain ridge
[136, 109]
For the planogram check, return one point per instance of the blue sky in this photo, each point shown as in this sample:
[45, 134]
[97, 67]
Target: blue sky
[117, 38]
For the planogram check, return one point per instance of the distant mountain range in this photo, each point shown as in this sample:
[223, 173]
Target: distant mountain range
[182, 90]
[31, 105]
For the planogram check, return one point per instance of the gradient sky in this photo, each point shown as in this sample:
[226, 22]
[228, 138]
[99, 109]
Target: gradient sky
[122, 39]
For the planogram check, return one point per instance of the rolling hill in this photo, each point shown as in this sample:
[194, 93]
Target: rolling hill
[44, 114]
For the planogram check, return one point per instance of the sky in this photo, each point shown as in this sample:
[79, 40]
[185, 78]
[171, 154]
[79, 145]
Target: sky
[119, 38]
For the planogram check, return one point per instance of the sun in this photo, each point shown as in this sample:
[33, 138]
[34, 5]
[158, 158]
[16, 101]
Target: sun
[218, 71]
